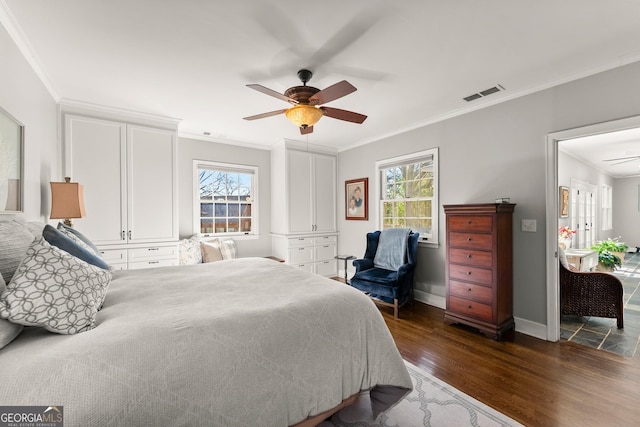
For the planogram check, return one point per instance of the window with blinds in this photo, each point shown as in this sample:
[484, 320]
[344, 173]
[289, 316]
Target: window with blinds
[408, 192]
[226, 202]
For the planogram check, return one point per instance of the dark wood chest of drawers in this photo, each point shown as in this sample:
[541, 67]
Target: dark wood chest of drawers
[479, 267]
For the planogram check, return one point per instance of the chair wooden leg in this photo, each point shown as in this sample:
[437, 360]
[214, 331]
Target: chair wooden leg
[395, 308]
[620, 322]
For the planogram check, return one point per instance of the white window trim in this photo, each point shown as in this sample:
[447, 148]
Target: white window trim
[255, 215]
[606, 208]
[380, 164]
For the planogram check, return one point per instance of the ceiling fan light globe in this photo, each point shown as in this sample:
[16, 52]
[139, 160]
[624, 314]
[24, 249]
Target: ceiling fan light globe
[304, 115]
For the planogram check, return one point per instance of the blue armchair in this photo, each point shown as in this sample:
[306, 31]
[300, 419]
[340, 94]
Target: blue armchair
[385, 284]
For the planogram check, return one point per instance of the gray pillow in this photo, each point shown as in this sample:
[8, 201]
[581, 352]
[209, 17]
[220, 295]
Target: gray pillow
[55, 290]
[59, 239]
[15, 238]
[8, 330]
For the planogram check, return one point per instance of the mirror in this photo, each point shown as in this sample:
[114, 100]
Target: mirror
[11, 177]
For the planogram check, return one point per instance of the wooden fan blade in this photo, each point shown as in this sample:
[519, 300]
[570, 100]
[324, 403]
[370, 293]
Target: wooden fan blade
[347, 116]
[332, 93]
[304, 131]
[263, 115]
[272, 92]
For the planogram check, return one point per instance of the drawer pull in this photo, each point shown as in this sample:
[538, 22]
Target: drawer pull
[301, 239]
[468, 239]
[468, 273]
[469, 256]
[153, 249]
[154, 262]
[301, 249]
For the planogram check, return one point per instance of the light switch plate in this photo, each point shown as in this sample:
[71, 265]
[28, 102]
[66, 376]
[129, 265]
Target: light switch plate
[529, 225]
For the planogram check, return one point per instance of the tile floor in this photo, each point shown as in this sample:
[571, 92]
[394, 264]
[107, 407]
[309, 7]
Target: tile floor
[602, 333]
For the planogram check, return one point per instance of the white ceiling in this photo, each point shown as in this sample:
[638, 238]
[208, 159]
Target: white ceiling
[412, 60]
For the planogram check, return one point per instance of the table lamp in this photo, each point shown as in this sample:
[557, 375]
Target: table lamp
[67, 201]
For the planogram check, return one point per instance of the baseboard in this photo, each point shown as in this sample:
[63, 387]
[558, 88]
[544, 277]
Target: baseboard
[524, 326]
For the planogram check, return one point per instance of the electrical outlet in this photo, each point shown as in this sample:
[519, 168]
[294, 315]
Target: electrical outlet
[529, 225]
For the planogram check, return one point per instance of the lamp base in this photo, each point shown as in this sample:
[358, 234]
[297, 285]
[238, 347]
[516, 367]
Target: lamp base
[67, 222]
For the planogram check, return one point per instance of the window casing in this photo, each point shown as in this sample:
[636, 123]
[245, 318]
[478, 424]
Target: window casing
[607, 207]
[408, 193]
[225, 199]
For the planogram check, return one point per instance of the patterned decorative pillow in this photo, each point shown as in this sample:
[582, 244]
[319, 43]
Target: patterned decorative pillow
[228, 249]
[211, 250]
[190, 252]
[59, 239]
[55, 290]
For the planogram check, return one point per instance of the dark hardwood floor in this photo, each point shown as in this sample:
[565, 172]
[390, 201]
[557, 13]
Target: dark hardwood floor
[535, 382]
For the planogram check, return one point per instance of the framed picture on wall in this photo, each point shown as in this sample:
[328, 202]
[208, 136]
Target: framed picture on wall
[356, 193]
[11, 163]
[564, 202]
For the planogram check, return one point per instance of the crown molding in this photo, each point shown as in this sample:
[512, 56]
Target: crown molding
[74, 105]
[10, 24]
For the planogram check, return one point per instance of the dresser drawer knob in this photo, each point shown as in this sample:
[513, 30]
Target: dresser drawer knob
[468, 273]
[469, 222]
[469, 289]
[469, 306]
[468, 239]
[468, 255]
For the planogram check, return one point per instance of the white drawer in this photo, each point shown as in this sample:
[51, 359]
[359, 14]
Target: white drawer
[152, 253]
[325, 252]
[326, 240]
[306, 267]
[152, 263]
[300, 255]
[114, 256]
[301, 241]
[118, 266]
[327, 268]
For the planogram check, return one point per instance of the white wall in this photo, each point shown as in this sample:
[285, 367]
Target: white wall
[497, 151]
[626, 214]
[193, 149]
[23, 95]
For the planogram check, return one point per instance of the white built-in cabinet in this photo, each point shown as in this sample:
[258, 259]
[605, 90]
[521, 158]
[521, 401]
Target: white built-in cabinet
[129, 176]
[303, 221]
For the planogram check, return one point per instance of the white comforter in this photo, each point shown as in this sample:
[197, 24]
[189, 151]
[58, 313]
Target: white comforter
[246, 342]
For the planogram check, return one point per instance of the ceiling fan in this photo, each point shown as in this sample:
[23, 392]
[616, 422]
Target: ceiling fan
[621, 160]
[307, 103]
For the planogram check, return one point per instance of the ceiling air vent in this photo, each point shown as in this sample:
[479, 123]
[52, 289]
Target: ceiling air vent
[483, 93]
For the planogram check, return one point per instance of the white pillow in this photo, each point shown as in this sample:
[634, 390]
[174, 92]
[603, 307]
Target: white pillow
[228, 249]
[211, 250]
[8, 330]
[189, 250]
[53, 289]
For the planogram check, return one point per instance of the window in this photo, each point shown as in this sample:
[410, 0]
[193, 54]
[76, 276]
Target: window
[607, 207]
[226, 201]
[408, 189]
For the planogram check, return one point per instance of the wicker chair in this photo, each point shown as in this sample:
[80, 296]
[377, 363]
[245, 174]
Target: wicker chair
[591, 294]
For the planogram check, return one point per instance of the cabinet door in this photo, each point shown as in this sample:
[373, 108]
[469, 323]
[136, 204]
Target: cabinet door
[152, 213]
[300, 191]
[95, 156]
[324, 172]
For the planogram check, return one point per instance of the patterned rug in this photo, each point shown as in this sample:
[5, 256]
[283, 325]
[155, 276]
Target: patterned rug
[431, 403]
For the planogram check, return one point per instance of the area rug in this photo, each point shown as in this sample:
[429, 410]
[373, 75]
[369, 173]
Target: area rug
[431, 403]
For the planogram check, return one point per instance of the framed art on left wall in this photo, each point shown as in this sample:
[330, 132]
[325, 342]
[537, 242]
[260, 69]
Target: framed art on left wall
[11, 163]
[356, 193]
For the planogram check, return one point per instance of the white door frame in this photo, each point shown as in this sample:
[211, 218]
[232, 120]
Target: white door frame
[553, 289]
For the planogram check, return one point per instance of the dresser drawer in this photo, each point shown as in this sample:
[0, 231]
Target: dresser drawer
[471, 274]
[114, 256]
[470, 291]
[471, 257]
[326, 240]
[471, 240]
[300, 255]
[152, 253]
[326, 252]
[152, 263]
[477, 223]
[327, 268]
[301, 241]
[470, 308]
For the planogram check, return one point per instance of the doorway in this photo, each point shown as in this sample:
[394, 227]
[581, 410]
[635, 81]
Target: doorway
[552, 202]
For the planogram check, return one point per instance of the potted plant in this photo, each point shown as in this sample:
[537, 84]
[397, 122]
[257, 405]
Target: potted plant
[610, 253]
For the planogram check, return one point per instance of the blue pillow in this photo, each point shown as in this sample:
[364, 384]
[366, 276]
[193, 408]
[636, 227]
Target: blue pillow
[79, 235]
[59, 240]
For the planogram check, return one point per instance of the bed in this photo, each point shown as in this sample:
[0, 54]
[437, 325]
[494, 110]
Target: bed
[243, 342]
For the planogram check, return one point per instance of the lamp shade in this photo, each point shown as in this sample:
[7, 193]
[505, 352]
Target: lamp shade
[303, 115]
[67, 200]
